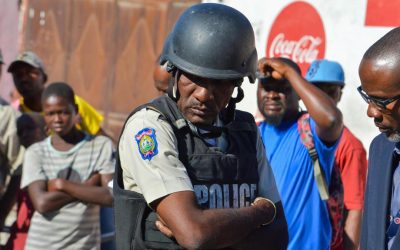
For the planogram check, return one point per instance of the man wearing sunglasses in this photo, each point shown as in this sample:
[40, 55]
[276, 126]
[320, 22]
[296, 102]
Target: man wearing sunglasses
[279, 89]
[380, 87]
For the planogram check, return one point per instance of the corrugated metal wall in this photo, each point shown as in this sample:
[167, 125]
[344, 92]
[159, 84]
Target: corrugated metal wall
[8, 41]
[105, 49]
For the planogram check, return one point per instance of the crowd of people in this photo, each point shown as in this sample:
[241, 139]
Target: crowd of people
[192, 171]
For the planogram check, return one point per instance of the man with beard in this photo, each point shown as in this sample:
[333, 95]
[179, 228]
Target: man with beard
[189, 165]
[279, 88]
[29, 75]
[380, 88]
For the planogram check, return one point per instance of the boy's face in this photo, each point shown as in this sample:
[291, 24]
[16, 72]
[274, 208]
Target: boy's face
[59, 115]
[29, 130]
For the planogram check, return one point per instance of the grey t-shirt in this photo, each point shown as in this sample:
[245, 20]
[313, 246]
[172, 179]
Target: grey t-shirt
[75, 225]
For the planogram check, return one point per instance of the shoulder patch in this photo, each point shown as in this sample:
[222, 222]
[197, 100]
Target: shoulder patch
[147, 143]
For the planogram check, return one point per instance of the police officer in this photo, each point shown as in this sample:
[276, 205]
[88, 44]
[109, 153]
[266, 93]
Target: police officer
[189, 164]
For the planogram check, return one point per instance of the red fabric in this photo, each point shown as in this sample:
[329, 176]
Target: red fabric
[336, 208]
[351, 159]
[19, 230]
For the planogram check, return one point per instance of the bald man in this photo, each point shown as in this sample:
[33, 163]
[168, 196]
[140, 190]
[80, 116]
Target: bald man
[380, 87]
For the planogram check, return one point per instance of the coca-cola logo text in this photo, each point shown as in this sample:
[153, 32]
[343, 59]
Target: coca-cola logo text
[303, 50]
[298, 34]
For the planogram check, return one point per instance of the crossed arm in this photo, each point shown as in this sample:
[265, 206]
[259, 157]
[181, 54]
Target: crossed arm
[237, 228]
[48, 196]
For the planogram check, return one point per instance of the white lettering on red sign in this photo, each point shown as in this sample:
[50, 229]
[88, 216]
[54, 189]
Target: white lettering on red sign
[298, 34]
[304, 50]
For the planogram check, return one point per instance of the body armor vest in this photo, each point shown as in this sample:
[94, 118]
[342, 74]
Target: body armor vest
[221, 178]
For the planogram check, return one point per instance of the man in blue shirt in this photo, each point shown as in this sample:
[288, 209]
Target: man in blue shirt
[280, 87]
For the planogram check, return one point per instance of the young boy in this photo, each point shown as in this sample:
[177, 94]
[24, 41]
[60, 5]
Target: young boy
[67, 178]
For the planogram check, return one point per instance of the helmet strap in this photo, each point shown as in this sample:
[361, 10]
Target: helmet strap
[229, 114]
[172, 90]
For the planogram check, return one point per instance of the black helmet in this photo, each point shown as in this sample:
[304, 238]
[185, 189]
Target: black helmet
[212, 41]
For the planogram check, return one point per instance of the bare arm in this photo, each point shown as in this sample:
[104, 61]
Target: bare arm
[274, 236]
[352, 229]
[322, 109]
[194, 228]
[45, 201]
[87, 192]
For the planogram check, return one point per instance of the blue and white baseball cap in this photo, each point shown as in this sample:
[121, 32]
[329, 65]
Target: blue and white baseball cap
[325, 71]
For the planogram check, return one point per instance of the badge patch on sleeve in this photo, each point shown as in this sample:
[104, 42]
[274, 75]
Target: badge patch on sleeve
[147, 143]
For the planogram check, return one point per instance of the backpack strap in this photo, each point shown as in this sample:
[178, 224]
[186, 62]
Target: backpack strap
[304, 128]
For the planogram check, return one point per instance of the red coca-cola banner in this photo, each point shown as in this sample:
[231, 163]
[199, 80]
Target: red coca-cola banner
[298, 34]
[383, 13]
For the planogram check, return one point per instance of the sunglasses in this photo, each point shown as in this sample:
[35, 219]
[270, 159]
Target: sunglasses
[380, 103]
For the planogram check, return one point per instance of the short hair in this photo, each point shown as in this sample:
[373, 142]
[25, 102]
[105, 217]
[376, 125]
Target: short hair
[60, 89]
[291, 63]
[389, 44]
[30, 120]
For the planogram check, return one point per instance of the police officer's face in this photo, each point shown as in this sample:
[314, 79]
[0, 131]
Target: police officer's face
[202, 99]
[380, 81]
[28, 80]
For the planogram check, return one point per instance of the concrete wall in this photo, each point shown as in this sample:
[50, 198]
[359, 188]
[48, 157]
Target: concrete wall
[350, 28]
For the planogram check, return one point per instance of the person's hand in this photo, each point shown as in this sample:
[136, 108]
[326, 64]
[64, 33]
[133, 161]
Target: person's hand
[275, 68]
[94, 180]
[56, 184]
[267, 207]
[160, 224]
